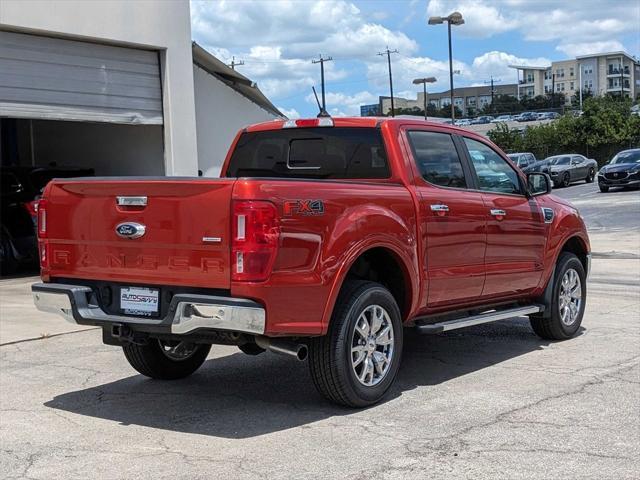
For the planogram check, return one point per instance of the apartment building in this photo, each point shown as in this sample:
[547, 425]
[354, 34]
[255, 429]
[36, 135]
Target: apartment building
[613, 72]
[468, 99]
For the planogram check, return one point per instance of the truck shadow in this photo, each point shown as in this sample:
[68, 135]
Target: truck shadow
[239, 396]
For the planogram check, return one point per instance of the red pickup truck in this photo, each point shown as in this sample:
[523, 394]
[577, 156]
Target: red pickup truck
[322, 240]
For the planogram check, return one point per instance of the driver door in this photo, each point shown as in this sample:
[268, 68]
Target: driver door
[515, 226]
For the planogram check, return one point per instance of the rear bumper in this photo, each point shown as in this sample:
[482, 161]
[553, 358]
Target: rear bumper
[187, 313]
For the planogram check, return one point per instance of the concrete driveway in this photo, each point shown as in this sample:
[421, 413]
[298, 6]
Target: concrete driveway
[492, 401]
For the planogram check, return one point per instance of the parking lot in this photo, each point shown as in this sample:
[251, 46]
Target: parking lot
[491, 401]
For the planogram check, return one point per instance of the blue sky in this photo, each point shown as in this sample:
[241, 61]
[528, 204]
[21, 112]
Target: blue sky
[277, 39]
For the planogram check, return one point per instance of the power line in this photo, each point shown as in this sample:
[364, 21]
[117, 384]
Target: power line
[388, 53]
[321, 62]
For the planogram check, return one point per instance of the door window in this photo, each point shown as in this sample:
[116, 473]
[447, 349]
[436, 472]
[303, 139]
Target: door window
[494, 173]
[437, 158]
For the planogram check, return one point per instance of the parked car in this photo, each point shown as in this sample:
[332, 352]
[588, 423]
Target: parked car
[21, 188]
[484, 119]
[523, 160]
[566, 169]
[622, 171]
[527, 117]
[551, 115]
[319, 240]
[502, 118]
[463, 122]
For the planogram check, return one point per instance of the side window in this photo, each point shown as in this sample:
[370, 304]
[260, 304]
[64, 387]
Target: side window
[437, 158]
[494, 173]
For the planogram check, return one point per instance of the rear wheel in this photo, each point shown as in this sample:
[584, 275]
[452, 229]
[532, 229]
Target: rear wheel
[356, 362]
[603, 188]
[166, 359]
[591, 176]
[568, 301]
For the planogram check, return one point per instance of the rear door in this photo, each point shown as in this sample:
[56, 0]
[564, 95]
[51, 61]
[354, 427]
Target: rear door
[140, 231]
[515, 227]
[452, 219]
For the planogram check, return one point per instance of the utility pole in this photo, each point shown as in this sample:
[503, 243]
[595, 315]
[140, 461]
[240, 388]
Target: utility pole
[233, 63]
[321, 62]
[388, 53]
[492, 90]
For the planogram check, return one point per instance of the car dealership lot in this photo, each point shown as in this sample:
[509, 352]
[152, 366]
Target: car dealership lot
[492, 401]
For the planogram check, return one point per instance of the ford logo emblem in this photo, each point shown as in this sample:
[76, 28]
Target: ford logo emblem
[130, 230]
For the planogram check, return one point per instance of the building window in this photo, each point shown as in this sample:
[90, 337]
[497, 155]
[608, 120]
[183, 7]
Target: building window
[571, 72]
[571, 86]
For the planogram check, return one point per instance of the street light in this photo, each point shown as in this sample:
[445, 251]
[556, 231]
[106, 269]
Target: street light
[424, 82]
[453, 19]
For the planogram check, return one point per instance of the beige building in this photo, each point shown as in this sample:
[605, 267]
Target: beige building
[614, 72]
[468, 99]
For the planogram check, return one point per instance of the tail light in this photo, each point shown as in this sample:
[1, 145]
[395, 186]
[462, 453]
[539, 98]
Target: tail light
[32, 207]
[255, 240]
[42, 218]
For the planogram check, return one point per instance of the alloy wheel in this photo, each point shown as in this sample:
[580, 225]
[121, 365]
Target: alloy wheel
[372, 345]
[570, 297]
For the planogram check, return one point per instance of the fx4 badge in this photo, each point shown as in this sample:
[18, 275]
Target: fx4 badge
[303, 207]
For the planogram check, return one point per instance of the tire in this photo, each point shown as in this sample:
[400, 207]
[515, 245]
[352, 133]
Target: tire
[603, 188]
[554, 327]
[334, 369]
[566, 180]
[152, 361]
[590, 176]
[8, 262]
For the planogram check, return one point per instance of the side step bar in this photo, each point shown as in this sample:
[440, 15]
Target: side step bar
[486, 317]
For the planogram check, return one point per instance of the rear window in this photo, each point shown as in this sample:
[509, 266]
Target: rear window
[325, 152]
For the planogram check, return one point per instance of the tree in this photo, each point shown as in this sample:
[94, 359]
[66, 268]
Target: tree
[605, 127]
[503, 104]
[575, 98]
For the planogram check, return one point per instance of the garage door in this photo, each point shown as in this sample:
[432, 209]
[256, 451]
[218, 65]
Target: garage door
[55, 79]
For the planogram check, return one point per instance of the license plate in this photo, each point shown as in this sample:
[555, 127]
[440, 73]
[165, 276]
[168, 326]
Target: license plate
[139, 301]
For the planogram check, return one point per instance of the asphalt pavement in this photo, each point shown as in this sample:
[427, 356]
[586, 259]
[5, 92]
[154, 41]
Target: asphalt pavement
[492, 401]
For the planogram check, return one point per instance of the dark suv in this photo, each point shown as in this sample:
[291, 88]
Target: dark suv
[20, 190]
[622, 171]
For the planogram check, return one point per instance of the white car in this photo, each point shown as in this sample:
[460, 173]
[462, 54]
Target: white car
[501, 118]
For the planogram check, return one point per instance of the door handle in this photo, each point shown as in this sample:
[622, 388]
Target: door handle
[440, 209]
[498, 213]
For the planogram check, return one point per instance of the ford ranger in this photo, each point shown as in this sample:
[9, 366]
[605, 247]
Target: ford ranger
[323, 239]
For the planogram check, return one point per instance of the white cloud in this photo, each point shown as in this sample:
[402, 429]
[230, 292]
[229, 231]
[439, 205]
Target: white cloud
[544, 20]
[289, 112]
[481, 19]
[587, 48]
[342, 105]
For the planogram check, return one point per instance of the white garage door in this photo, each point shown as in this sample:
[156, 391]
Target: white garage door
[55, 79]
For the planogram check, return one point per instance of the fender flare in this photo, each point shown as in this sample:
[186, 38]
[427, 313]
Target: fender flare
[350, 258]
[547, 296]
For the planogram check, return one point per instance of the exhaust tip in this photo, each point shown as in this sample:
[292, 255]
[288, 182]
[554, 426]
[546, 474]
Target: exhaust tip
[303, 353]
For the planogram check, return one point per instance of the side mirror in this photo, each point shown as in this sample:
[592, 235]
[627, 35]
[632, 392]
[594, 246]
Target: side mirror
[539, 183]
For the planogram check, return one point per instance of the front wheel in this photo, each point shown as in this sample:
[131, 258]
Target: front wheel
[356, 362]
[603, 188]
[166, 359]
[566, 180]
[591, 176]
[567, 301]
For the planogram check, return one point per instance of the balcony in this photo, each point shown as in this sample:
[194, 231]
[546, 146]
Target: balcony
[525, 82]
[613, 71]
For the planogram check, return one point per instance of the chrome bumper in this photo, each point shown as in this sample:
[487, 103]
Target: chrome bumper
[187, 313]
[588, 265]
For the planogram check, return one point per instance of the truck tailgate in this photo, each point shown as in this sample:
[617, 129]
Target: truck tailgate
[186, 230]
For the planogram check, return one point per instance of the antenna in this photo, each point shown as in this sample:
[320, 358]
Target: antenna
[323, 112]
